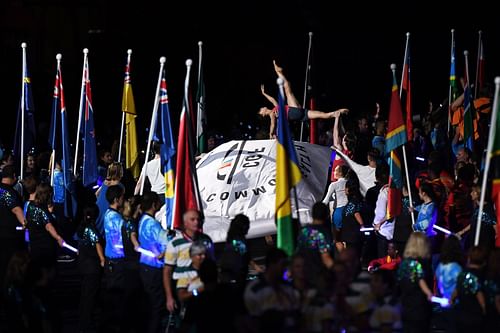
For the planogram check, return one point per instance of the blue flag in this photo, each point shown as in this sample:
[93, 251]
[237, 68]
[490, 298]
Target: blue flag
[164, 135]
[29, 119]
[89, 146]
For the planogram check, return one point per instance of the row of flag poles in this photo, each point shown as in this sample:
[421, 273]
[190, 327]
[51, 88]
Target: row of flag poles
[160, 130]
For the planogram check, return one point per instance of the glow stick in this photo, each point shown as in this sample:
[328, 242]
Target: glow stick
[19, 228]
[443, 230]
[140, 250]
[366, 229]
[443, 301]
[69, 247]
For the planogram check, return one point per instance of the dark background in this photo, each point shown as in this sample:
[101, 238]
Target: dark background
[353, 45]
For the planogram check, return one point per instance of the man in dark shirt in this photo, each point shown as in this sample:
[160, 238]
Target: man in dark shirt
[11, 216]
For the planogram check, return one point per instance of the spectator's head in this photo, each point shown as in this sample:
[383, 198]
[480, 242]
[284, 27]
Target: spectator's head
[30, 162]
[115, 171]
[349, 141]
[197, 253]
[156, 148]
[417, 246]
[373, 157]
[380, 127]
[426, 192]
[320, 212]
[105, 157]
[30, 183]
[475, 193]
[90, 214]
[132, 207]
[391, 250]
[114, 196]
[363, 126]
[239, 227]
[9, 174]
[150, 202]
[191, 220]
[466, 174]
[43, 195]
[340, 171]
[451, 251]
[463, 155]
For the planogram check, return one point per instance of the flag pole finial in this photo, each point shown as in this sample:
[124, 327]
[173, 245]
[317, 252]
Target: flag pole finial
[189, 62]
[85, 51]
[200, 43]
[497, 80]
[466, 53]
[393, 67]
[280, 81]
[452, 30]
[58, 56]
[310, 33]
[408, 34]
[129, 51]
[163, 60]
[24, 45]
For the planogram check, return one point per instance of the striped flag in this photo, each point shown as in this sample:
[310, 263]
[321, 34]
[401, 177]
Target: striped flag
[395, 137]
[128, 106]
[187, 195]
[468, 125]
[406, 86]
[89, 145]
[70, 206]
[165, 137]
[288, 175]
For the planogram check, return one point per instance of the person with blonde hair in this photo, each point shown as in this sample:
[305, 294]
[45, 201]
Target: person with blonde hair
[113, 177]
[414, 277]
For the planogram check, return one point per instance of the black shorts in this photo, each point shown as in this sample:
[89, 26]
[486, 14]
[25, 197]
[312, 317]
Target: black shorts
[297, 114]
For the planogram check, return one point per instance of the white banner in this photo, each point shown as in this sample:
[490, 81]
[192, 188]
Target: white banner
[240, 177]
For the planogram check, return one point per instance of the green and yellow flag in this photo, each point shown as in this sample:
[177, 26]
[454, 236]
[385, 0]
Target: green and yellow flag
[128, 106]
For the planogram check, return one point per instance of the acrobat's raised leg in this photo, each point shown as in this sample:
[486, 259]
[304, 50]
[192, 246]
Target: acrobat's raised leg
[290, 97]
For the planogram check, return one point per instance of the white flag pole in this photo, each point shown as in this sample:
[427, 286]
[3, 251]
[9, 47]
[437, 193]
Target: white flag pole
[489, 149]
[405, 161]
[199, 115]
[23, 107]
[127, 77]
[308, 68]
[85, 59]
[53, 157]
[153, 124]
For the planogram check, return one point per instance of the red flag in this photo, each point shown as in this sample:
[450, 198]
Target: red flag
[187, 196]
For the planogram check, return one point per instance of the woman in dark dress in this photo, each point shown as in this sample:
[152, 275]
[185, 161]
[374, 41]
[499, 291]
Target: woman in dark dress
[415, 277]
[43, 236]
[90, 263]
[352, 219]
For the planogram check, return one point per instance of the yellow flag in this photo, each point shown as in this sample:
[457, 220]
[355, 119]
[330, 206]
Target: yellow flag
[128, 106]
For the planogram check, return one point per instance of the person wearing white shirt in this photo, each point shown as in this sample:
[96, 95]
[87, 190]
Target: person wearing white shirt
[336, 193]
[152, 170]
[384, 227]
